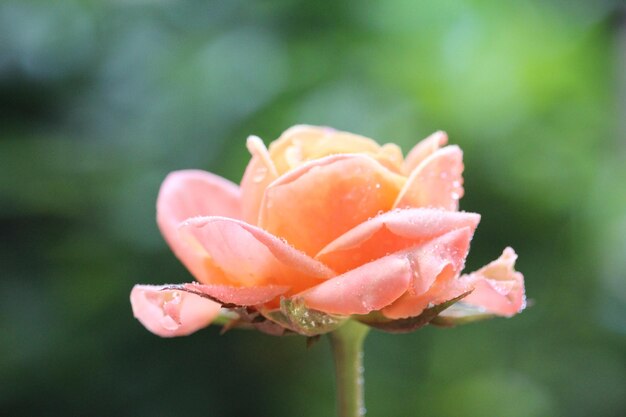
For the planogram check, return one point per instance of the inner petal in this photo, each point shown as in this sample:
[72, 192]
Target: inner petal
[259, 173]
[436, 182]
[302, 143]
[423, 150]
[322, 199]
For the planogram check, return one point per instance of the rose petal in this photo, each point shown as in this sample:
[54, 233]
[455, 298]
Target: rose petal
[392, 153]
[391, 232]
[258, 175]
[424, 149]
[436, 265]
[322, 199]
[169, 313]
[498, 287]
[367, 288]
[390, 156]
[249, 256]
[436, 182]
[191, 193]
[241, 296]
[303, 143]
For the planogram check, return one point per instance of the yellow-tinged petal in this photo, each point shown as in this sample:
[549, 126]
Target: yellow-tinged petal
[303, 143]
[259, 173]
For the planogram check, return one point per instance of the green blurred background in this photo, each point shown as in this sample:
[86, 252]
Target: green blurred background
[100, 100]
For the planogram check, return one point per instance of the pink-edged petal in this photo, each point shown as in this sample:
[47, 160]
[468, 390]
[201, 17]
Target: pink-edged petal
[192, 193]
[170, 313]
[423, 150]
[321, 199]
[498, 287]
[259, 173]
[240, 296]
[436, 182]
[249, 256]
[367, 288]
[391, 232]
[435, 266]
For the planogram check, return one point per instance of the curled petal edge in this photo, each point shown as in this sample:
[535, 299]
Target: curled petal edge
[498, 290]
[171, 312]
[242, 250]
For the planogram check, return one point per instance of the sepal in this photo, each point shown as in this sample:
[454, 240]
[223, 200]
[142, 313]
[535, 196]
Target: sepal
[295, 316]
[378, 321]
[461, 313]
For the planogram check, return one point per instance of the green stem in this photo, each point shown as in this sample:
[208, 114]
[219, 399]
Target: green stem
[347, 348]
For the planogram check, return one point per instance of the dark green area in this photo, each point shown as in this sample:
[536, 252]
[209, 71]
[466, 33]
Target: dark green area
[99, 100]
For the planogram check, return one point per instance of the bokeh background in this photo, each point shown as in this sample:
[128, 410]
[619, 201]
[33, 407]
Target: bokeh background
[99, 100]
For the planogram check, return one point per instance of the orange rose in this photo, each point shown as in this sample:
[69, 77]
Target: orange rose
[326, 225]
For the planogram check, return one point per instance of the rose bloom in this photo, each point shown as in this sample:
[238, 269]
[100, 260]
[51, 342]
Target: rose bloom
[326, 225]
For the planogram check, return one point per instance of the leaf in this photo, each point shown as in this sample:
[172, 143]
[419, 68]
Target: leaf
[378, 321]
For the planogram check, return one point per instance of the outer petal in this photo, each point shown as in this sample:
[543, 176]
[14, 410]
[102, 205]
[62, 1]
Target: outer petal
[391, 232]
[241, 296]
[191, 193]
[436, 182]
[498, 288]
[436, 265]
[322, 199]
[367, 288]
[302, 143]
[169, 313]
[424, 149]
[259, 174]
[249, 256]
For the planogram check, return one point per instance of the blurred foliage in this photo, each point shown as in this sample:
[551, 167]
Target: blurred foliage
[100, 100]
